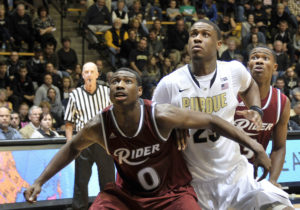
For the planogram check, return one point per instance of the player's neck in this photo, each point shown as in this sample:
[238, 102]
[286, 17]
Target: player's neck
[264, 90]
[201, 68]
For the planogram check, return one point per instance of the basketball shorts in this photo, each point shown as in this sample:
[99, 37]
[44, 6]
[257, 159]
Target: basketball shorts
[238, 190]
[116, 198]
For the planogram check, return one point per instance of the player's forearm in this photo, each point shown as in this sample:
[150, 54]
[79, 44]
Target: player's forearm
[277, 159]
[69, 131]
[64, 156]
[251, 96]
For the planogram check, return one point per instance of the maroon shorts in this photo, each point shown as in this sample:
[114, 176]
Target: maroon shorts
[114, 197]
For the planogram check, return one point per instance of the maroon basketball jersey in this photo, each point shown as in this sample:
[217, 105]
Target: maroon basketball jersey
[272, 107]
[147, 163]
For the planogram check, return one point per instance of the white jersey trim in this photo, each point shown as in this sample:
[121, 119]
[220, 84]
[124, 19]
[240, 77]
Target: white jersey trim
[140, 123]
[104, 134]
[269, 98]
[279, 105]
[155, 124]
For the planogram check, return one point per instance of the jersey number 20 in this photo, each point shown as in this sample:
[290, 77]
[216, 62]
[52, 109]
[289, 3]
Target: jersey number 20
[212, 137]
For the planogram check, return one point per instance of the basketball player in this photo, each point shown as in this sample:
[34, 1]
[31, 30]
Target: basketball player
[152, 172]
[222, 177]
[276, 108]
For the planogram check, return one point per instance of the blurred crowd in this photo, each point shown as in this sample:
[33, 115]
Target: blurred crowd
[148, 36]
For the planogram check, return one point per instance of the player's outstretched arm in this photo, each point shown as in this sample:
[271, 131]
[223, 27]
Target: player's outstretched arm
[169, 117]
[251, 97]
[279, 144]
[89, 135]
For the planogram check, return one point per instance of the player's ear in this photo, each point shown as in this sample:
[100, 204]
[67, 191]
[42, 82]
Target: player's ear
[275, 67]
[219, 44]
[140, 91]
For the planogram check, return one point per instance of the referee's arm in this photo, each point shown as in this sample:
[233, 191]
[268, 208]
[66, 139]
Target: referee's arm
[69, 130]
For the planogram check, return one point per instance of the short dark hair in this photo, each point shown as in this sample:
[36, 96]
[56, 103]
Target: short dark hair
[215, 26]
[267, 48]
[64, 39]
[137, 76]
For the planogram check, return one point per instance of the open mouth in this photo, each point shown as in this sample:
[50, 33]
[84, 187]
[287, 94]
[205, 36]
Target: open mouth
[258, 69]
[120, 96]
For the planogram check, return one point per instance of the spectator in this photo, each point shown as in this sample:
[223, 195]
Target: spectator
[188, 11]
[281, 56]
[3, 100]
[227, 25]
[150, 77]
[23, 112]
[13, 65]
[22, 29]
[55, 102]
[67, 57]
[34, 124]
[58, 123]
[155, 10]
[155, 46]
[127, 46]
[6, 131]
[23, 86]
[138, 58]
[260, 16]
[254, 43]
[15, 121]
[166, 68]
[4, 79]
[44, 26]
[143, 22]
[296, 44]
[49, 54]
[254, 30]
[120, 13]
[56, 74]
[185, 59]
[5, 35]
[45, 130]
[177, 36]
[294, 8]
[210, 9]
[231, 52]
[172, 10]
[35, 67]
[280, 15]
[161, 32]
[76, 76]
[41, 93]
[285, 36]
[135, 9]
[66, 90]
[296, 115]
[114, 38]
[136, 26]
[295, 96]
[280, 84]
[97, 18]
[101, 80]
[291, 80]
[246, 25]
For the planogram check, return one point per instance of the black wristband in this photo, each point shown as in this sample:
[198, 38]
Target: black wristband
[258, 109]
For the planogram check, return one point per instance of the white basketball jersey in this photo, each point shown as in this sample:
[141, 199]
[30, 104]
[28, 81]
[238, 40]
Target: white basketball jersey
[208, 156]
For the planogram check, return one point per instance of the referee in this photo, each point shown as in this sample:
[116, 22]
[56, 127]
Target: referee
[84, 103]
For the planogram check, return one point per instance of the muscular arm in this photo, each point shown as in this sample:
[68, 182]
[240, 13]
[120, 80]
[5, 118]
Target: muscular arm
[279, 140]
[170, 117]
[88, 135]
[251, 96]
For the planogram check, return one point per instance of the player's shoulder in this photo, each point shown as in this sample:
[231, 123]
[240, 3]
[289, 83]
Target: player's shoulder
[230, 65]
[176, 75]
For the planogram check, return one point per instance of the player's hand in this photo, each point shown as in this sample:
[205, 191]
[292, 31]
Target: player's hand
[261, 160]
[275, 183]
[253, 116]
[181, 136]
[32, 192]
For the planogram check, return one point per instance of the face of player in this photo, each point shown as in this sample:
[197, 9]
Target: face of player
[124, 88]
[203, 42]
[262, 65]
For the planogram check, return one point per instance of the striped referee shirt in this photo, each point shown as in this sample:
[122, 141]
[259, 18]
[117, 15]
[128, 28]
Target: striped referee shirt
[83, 106]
